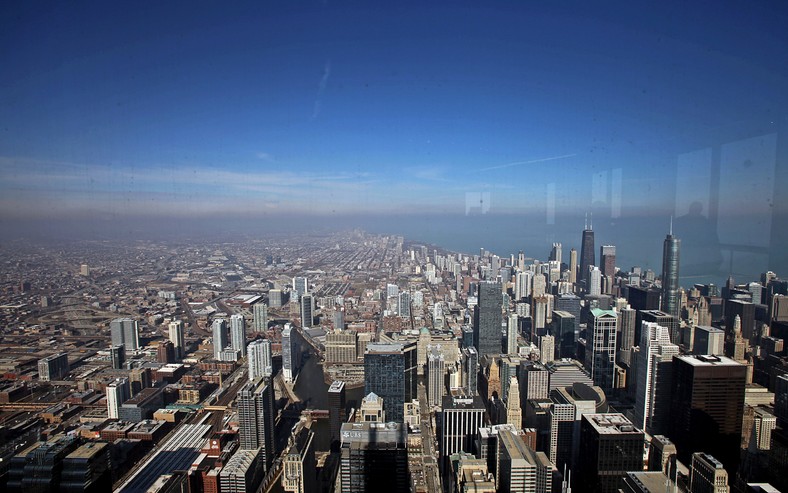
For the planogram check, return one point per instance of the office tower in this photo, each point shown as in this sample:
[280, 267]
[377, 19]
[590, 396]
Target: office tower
[299, 471]
[300, 286]
[275, 298]
[255, 403]
[177, 338]
[242, 473]
[671, 299]
[471, 474]
[336, 408]
[38, 468]
[403, 305]
[539, 318]
[587, 252]
[260, 359]
[555, 253]
[260, 313]
[522, 285]
[54, 367]
[781, 399]
[610, 445]
[573, 266]
[371, 409]
[390, 372]
[563, 329]
[125, 331]
[341, 347]
[471, 370]
[546, 348]
[435, 373]
[519, 468]
[511, 333]
[746, 313]
[601, 355]
[118, 392]
[607, 260]
[660, 318]
[514, 413]
[708, 340]
[654, 368]
[627, 318]
[87, 469]
[662, 455]
[707, 406]
[462, 416]
[487, 320]
[291, 353]
[707, 475]
[538, 285]
[307, 310]
[220, 337]
[739, 345]
[535, 381]
[763, 423]
[594, 281]
[165, 352]
[117, 356]
[374, 458]
[339, 318]
[238, 333]
[507, 368]
[569, 303]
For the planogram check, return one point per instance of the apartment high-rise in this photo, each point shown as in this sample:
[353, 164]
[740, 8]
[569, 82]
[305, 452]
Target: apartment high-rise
[118, 392]
[601, 351]
[260, 359]
[511, 333]
[390, 372]
[175, 332]
[238, 333]
[220, 337]
[255, 403]
[671, 298]
[573, 266]
[300, 285]
[627, 317]
[403, 304]
[707, 406]
[291, 352]
[654, 370]
[125, 331]
[117, 356]
[260, 313]
[487, 319]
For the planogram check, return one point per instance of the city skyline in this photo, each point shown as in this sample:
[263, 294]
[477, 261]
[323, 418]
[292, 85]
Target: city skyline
[328, 110]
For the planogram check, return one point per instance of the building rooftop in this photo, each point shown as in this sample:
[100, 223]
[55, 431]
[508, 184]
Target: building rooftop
[708, 360]
[88, 450]
[611, 424]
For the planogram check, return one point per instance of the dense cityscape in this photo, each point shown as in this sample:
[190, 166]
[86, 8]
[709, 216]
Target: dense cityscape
[351, 362]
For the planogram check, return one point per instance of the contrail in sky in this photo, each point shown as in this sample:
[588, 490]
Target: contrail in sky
[532, 161]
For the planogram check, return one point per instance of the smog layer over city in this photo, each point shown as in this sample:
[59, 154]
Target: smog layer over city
[394, 246]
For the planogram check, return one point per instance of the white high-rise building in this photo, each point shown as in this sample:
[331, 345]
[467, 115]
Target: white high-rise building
[220, 337]
[238, 333]
[539, 285]
[177, 338]
[260, 317]
[511, 333]
[514, 412]
[594, 281]
[260, 359]
[522, 287]
[118, 391]
[546, 348]
[654, 368]
[435, 374]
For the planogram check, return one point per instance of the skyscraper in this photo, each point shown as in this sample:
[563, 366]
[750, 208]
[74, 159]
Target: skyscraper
[403, 305]
[564, 333]
[707, 406]
[220, 337]
[238, 333]
[300, 285]
[374, 457]
[587, 256]
[487, 319]
[390, 372]
[260, 359]
[654, 369]
[435, 372]
[671, 300]
[307, 310]
[336, 408]
[125, 331]
[470, 370]
[609, 446]
[573, 266]
[594, 281]
[511, 333]
[707, 475]
[177, 339]
[118, 392]
[260, 312]
[601, 355]
[255, 404]
[514, 412]
[607, 260]
[53, 367]
[462, 417]
[519, 468]
[555, 253]
[627, 318]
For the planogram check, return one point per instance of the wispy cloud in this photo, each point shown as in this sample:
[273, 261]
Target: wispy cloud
[321, 87]
[264, 156]
[530, 161]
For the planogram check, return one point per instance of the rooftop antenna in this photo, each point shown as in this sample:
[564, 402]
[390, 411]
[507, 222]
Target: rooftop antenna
[671, 225]
[586, 223]
[591, 224]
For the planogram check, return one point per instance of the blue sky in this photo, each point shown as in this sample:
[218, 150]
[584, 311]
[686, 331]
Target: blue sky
[201, 108]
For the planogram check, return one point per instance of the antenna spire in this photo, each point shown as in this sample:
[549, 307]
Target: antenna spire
[591, 224]
[585, 226]
[671, 225]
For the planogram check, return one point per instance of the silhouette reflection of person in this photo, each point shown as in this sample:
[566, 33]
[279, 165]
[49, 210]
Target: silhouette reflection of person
[700, 245]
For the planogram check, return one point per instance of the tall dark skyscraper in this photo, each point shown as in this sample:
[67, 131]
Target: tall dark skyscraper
[707, 406]
[671, 301]
[256, 418]
[390, 372]
[587, 256]
[487, 319]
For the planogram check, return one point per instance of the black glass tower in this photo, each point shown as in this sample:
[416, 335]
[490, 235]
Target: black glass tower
[671, 301]
[390, 372]
[487, 320]
[587, 257]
